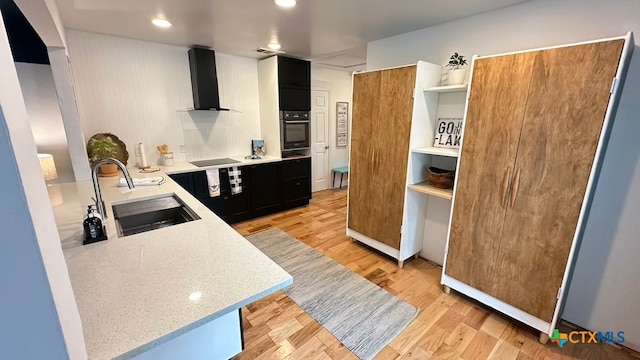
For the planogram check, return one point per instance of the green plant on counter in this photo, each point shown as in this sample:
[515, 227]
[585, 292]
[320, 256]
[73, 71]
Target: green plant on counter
[102, 148]
[106, 145]
[456, 61]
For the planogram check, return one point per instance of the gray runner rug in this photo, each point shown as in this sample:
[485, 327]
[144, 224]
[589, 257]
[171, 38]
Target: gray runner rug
[364, 317]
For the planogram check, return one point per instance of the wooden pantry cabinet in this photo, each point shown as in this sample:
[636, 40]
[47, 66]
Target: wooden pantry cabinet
[535, 129]
[390, 117]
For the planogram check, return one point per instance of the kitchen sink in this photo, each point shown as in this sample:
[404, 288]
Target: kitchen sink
[150, 214]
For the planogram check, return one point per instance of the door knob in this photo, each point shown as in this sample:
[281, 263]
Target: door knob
[326, 147]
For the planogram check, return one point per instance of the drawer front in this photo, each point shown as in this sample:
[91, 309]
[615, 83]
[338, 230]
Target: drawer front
[296, 189]
[218, 205]
[296, 168]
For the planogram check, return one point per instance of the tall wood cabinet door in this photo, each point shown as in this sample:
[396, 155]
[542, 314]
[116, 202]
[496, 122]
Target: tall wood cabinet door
[379, 159]
[568, 99]
[365, 119]
[491, 133]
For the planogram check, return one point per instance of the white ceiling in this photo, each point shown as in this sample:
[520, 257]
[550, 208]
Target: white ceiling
[334, 32]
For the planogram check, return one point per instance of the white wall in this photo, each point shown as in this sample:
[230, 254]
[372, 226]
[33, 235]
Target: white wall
[134, 89]
[339, 84]
[38, 313]
[41, 100]
[605, 287]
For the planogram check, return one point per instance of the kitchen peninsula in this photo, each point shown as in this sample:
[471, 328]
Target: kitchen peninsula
[163, 291]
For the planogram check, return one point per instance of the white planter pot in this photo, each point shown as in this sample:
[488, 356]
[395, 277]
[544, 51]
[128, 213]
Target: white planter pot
[456, 77]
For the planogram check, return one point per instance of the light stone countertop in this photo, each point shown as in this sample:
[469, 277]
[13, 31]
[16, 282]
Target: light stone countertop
[133, 292]
[184, 167]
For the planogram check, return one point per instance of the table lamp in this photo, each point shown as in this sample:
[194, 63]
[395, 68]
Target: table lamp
[49, 172]
[48, 166]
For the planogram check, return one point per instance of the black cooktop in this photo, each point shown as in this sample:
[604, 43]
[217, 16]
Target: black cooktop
[214, 162]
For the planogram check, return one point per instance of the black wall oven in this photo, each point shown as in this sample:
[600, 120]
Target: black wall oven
[295, 130]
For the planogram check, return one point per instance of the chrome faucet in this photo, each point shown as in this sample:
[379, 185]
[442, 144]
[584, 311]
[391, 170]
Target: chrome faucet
[96, 186]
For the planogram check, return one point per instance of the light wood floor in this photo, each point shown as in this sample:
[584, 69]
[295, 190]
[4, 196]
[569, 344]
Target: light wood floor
[447, 327]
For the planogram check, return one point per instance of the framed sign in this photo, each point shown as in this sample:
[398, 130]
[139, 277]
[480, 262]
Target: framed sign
[342, 123]
[448, 132]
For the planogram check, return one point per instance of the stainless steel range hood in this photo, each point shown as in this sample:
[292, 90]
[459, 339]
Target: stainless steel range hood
[204, 79]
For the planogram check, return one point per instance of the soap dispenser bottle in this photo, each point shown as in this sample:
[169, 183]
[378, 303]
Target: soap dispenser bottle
[93, 227]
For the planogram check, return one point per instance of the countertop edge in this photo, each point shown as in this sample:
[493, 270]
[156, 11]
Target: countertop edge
[168, 337]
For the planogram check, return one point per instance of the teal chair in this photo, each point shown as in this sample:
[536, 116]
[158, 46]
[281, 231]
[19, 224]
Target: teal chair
[339, 170]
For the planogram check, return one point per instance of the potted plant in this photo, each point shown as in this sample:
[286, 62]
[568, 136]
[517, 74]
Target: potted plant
[457, 74]
[106, 145]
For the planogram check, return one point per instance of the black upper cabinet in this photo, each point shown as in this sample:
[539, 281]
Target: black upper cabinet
[294, 99]
[294, 84]
[264, 185]
[294, 72]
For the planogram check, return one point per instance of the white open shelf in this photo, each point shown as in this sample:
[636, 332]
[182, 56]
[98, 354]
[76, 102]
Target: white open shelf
[448, 88]
[437, 151]
[426, 188]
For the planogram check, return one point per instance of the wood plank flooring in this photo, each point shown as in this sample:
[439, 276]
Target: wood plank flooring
[448, 326]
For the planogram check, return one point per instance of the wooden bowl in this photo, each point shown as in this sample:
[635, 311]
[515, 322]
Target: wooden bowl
[440, 178]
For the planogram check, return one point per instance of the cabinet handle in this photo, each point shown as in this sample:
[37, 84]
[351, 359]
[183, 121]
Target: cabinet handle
[505, 186]
[297, 184]
[514, 187]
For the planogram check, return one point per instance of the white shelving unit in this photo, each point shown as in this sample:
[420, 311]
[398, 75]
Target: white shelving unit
[437, 151]
[427, 208]
[426, 188]
[448, 88]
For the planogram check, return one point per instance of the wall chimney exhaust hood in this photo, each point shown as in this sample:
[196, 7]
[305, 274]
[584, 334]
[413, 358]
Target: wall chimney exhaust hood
[204, 79]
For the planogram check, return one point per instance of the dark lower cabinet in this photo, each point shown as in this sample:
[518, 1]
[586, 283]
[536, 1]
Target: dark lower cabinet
[200, 185]
[230, 208]
[296, 182]
[264, 186]
[296, 192]
[184, 180]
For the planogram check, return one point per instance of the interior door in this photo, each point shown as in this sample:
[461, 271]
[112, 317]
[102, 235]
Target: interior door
[320, 139]
[383, 106]
[565, 112]
[491, 133]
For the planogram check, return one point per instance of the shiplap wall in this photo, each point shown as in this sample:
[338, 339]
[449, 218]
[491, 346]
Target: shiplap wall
[136, 89]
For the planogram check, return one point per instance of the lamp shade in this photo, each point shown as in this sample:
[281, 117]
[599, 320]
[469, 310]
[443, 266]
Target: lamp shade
[48, 166]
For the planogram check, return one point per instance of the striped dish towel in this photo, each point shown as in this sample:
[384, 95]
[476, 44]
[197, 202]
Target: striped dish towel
[235, 180]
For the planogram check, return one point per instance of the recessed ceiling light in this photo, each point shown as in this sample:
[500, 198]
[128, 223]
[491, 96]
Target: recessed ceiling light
[163, 23]
[286, 3]
[274, 46]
